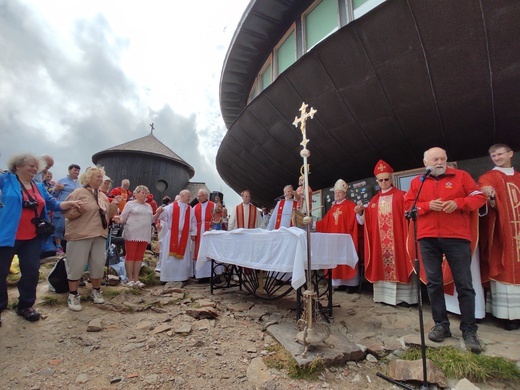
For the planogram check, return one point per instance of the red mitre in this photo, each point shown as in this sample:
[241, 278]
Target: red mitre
[382, 167]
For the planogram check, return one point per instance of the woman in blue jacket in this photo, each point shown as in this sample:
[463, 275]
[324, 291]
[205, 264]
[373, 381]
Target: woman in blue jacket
[22, 200]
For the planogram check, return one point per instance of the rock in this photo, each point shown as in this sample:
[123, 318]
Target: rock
[96, 325]
[371, 358]
[412, 370]
[151, 379]
[202, 313]
[161, 328]
[47, 372]
[465, 384]
[82, 378]
[144, 325]
[241, 306]
[204, 303]
[115, 379]
[258, 373]
[173, 287]
[184, 328]
[132, 346]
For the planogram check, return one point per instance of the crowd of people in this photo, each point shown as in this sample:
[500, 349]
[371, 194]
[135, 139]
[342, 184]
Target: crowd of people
[449, 210]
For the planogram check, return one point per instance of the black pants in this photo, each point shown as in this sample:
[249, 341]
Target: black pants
[458, 254]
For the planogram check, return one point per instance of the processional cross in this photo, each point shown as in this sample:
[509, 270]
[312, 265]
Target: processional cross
[302, 121]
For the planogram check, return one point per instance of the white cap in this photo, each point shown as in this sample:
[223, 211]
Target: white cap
[341, 185]
[105, 178]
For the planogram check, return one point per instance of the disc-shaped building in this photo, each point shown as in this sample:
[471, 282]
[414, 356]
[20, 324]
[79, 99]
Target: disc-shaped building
[389, 79]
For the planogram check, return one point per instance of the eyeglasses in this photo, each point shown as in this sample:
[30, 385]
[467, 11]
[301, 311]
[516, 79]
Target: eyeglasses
[382, 180]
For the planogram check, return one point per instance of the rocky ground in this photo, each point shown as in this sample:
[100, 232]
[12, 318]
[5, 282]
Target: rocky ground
[166, 337]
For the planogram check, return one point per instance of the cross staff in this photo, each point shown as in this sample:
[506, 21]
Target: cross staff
[302, 121]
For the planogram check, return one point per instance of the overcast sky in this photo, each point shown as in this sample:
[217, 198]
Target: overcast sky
[78, 77]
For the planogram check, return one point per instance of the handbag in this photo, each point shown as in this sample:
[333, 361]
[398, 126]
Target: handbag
[43, 227]
[58, 277]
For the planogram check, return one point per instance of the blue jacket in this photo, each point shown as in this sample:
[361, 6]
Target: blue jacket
[12, 211]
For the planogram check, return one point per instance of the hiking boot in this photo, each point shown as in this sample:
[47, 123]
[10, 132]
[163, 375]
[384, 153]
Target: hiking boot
[96, 297]
[438, 333]
[29, 313]
[471, 341]
[74, 302]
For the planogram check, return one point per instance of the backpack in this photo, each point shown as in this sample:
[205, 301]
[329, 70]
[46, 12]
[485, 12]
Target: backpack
[57, 278]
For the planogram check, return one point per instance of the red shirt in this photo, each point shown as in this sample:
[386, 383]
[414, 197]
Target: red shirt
[27, 229]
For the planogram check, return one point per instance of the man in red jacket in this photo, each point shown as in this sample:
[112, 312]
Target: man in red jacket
[443, 228]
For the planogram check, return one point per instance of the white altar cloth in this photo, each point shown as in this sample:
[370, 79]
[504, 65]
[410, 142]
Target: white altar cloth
[282, 250]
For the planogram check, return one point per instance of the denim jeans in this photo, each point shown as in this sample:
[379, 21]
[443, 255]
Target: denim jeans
[28, 252]
[458, 255]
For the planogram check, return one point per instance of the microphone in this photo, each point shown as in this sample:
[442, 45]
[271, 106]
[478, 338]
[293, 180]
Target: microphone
[279, 198]
[426, 173]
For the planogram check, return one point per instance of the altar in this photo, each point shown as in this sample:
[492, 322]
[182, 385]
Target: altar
[278, 253]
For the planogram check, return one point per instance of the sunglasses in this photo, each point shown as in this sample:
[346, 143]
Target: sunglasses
[382, 180]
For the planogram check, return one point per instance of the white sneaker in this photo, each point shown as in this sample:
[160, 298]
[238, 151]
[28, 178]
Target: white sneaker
[96, 297]
[130, 284]
[139, 284]
[74, 302]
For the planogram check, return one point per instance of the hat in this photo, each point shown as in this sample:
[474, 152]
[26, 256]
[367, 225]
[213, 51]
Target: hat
[105, 178]
[341, 185]
[382, 167]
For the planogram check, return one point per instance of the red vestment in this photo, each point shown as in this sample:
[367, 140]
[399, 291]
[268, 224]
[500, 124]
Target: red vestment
[386, 228]
[178, 247]
[341, 218]
[239, 216]
[500, 229]
[206, 219]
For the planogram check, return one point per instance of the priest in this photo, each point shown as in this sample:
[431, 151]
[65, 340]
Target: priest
[387, 264]
[499, 236]
[179, 220]
[246, 215]
[203, 211]
[341, 218]
[283, 212]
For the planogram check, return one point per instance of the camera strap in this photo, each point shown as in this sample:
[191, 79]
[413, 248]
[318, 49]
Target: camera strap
[104, 222]
[24, 190]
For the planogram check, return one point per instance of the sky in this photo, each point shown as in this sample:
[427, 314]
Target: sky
[78, 77]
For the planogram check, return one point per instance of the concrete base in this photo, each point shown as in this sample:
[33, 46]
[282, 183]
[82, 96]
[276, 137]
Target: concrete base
[336, 350]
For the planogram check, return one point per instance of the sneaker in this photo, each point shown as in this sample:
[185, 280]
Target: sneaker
[139, 284]
[96, 297]
[438, 333]
[471, 341]
[130, 284]
[74, 302]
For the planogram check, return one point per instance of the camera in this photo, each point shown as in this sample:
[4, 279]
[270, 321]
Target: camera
[30, 204]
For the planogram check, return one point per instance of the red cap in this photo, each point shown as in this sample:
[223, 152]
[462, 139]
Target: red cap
[382, 167]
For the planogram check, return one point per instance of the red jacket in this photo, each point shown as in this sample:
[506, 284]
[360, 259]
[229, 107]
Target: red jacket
[454, 185]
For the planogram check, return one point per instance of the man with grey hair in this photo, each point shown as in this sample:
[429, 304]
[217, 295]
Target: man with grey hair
[444, 205]
[47, 162]
[283, 211]
[203, 211]
[181, 229]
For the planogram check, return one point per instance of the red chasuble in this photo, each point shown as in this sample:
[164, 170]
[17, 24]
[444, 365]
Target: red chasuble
[239, 212]
[208, 215]
[341, 218]
[177, 248]
[500, 229]
[386, 228]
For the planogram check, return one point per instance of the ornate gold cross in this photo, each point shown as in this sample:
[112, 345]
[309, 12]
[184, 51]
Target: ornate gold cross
[302, 121]
[336, 215]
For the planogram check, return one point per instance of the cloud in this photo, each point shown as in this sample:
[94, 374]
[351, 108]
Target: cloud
[74, 86]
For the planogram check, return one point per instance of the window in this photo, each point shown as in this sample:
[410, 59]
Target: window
[320, 22]
[361, 7]
[286, 52]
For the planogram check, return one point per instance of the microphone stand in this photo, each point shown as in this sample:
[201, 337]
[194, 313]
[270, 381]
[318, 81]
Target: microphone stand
[412, 215]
